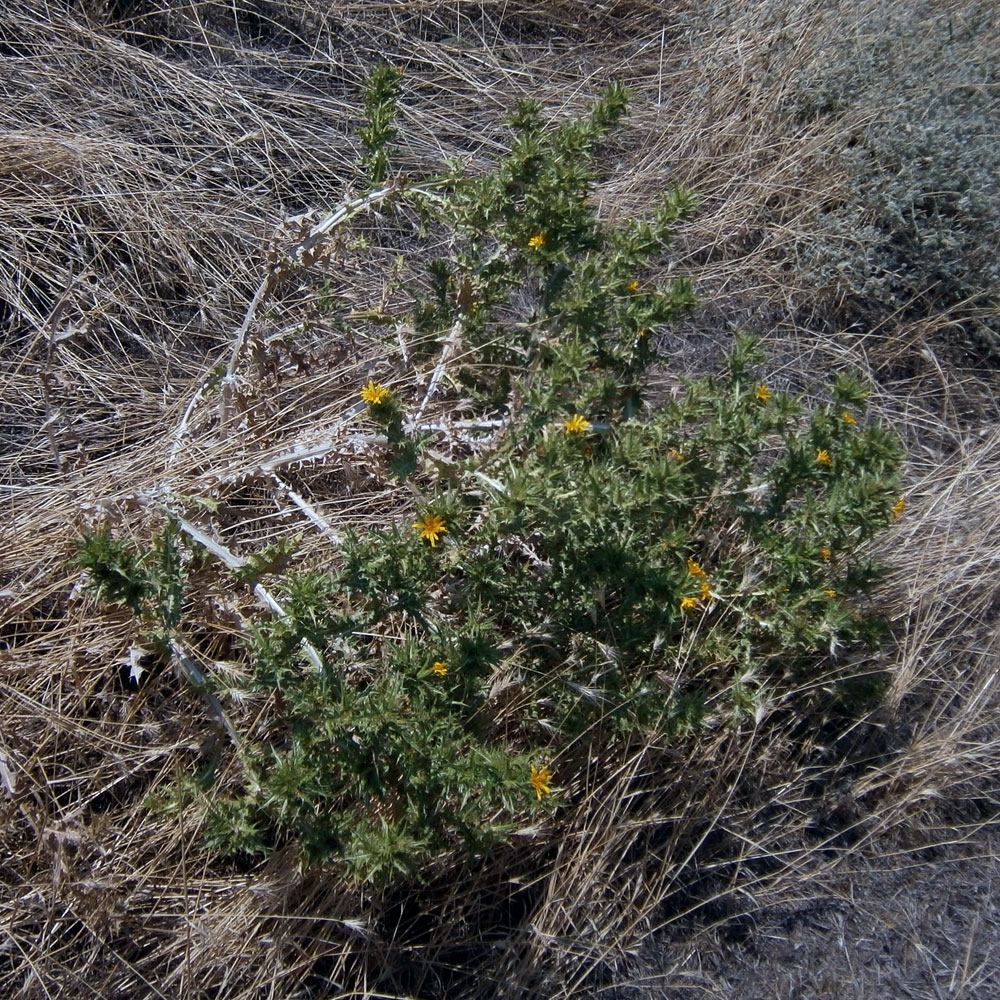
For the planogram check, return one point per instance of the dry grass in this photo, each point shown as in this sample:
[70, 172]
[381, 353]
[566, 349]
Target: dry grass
[148, 154]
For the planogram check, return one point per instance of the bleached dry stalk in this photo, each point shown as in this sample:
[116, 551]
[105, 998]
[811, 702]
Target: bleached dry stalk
[309, 511]
[449, 349]
[262, 594]
[292, 259]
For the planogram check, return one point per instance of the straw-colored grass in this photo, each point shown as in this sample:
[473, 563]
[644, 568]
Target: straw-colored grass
[150, 155]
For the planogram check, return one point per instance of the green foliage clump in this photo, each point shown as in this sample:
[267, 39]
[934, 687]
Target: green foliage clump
[379, 129]
[535, 274]
[150, 584]
[579, 573]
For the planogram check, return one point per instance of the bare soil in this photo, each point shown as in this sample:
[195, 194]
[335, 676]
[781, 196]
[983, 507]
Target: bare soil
[879, 925]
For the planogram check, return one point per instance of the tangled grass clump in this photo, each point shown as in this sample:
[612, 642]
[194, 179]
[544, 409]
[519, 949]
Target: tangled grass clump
[445, 509]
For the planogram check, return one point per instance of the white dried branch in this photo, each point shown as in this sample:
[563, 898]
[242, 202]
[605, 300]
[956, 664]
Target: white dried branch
[187, 666]
[234, 561]
[317, 450]
[206, 541]
[403, 349]
[448, 350]
[494, 484]
[310, 511]
[5, 776]
[316, 233]
[180, 432]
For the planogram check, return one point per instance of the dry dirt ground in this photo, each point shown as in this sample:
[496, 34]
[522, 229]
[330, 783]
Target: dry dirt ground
[878, 927]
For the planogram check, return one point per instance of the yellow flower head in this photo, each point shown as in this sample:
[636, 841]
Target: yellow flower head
[576, 424]
[374, 393]
[694, 568]
[440, 667]
[706, 591]
[540, 778]
[823, 456]
[537, 241]
[848, 417]
[825, 554]
[763, 393]
[830, 593]
[898, 507]
[675, 455]
[687, 603]
[430, 526]
[633, 286]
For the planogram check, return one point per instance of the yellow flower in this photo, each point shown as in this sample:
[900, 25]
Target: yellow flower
[374, 393]
[694, 569]
[540, 778]
[848, 417]
[675, 455]
[687, 603]
[430, 526]
[537, 241]
[830, 593]
[643, 333]
[706, 591]
[825, 554]
[440, 667]
[823, 457]
[633, 286]
[763, 393]
[898, 507]
[576, 424]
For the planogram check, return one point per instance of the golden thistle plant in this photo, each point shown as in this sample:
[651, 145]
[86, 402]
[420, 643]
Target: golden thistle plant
[580, 568]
